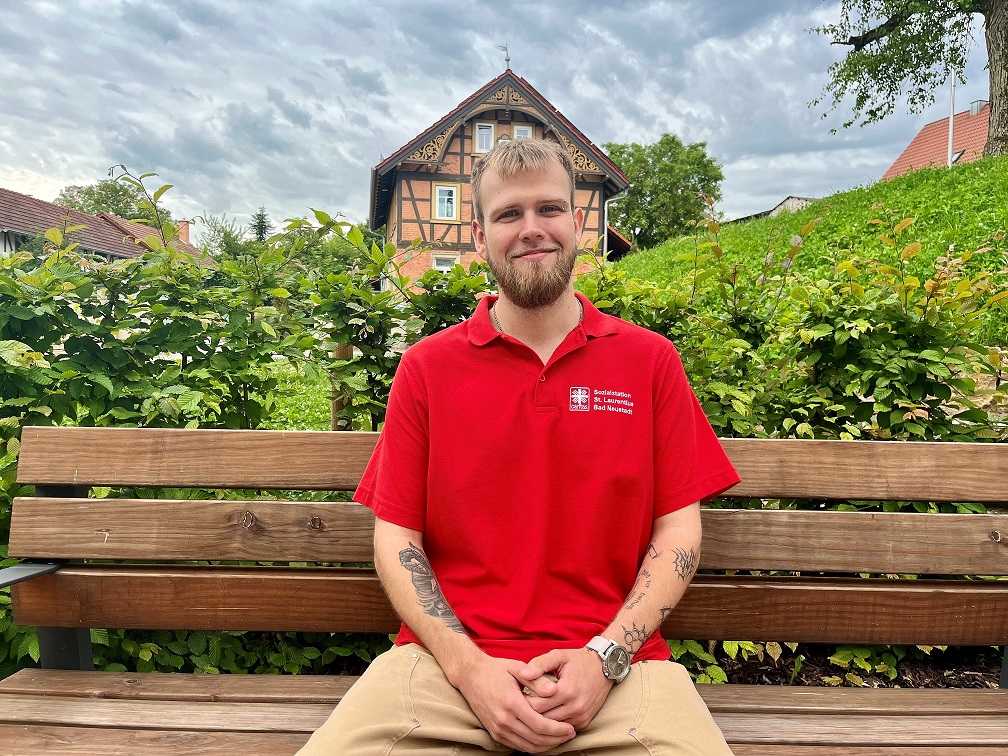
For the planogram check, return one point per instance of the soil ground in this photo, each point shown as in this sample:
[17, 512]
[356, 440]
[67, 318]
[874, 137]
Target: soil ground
[959, 667]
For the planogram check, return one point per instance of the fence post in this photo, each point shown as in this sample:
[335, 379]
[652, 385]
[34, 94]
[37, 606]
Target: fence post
[338, 402]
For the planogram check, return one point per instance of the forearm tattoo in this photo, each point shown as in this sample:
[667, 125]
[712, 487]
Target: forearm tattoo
[634, 637]
[685, 563]
[428, 592]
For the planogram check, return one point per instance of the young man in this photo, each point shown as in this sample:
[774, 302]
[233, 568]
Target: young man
[537, 488]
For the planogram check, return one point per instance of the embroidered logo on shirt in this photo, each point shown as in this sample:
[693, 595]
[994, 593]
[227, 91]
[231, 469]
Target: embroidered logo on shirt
[607, 400]
[580, 397]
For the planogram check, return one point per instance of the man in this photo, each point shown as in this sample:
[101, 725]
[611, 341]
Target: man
[536, 488]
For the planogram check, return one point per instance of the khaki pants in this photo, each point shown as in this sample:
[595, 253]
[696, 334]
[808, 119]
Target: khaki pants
[404, 705]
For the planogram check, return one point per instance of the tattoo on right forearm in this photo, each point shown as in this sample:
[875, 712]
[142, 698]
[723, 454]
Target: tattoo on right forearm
[685, 563]
[428, 592]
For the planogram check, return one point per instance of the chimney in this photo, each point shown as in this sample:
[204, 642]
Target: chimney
[183, 231]
[976, 106]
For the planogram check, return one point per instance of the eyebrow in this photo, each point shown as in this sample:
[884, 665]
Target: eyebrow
[562, 202]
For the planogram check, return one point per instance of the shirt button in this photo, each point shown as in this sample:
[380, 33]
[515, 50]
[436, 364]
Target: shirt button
[542, 378]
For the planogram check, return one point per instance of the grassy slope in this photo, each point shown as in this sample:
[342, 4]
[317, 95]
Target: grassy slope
[965, 207]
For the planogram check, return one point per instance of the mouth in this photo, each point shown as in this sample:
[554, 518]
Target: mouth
[534, 254]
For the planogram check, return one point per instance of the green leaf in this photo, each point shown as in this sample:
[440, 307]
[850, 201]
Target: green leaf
[55, 236]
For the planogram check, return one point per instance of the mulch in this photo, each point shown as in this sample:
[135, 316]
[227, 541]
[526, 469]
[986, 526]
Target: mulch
[956, 667]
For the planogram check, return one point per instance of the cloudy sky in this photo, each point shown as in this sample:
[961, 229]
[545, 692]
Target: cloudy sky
[242, 103]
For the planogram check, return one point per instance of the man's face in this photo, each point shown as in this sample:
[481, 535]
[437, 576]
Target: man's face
[529, 234]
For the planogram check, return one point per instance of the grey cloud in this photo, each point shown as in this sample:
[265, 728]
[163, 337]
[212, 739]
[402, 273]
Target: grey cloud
[357, 80]
[292, 112]
[153, 20]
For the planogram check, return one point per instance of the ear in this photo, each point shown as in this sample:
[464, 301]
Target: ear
[479, 240]
[579, 218]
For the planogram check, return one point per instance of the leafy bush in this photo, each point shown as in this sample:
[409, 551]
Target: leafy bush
[879, 343]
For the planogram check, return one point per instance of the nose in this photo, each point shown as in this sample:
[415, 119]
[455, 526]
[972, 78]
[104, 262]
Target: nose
[531, 228]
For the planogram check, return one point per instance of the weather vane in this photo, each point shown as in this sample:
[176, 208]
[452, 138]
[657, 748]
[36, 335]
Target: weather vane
[507, 56]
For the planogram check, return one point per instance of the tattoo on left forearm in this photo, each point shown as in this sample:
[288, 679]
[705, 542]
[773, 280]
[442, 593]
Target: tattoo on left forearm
[634, 637]
[428, 592]
[685, 563]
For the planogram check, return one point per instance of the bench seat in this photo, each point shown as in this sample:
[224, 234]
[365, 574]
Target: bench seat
[772, 573]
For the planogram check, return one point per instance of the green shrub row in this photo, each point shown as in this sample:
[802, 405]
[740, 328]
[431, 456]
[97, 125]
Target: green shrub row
[869, 347]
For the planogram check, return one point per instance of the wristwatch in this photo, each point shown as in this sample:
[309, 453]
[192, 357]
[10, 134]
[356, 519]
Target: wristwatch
[615, 658]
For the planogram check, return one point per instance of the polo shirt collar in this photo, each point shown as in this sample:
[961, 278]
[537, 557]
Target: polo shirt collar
[482, 330]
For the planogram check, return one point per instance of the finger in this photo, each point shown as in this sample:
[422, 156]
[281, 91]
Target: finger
[547, 707]
[540, 665]
[541, 687]
[544, 726]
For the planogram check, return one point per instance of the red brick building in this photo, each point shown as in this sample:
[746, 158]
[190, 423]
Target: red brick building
[421, 191]
[930, 146]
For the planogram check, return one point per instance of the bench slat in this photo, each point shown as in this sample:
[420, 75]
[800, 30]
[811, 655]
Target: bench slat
[180, 686]
[870, 470]
[164, 715]
[817, 610]
[864, 729]
[871, 750]
[922, 544]
[88, 741]
[192, 530]
[177, 686]
[203, 458]
[770, 468]
[853, 729]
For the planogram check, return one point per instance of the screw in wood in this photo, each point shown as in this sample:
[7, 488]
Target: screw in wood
[995, 535]
[248, 520]
[315, 523]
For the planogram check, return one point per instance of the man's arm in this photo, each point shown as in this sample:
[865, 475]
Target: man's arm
[491, 686]
[665, 572]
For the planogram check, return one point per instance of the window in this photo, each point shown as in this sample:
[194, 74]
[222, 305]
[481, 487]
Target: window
[484, 137]
[445, 263]
[446, 197]
[522, 132]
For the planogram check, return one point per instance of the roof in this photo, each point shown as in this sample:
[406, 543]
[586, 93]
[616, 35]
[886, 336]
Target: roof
[790, 203]
[383, 174]
[105, 233]
[930, 146]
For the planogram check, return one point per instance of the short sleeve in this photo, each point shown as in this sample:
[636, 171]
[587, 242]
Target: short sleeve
[394, 484]
[689, 462]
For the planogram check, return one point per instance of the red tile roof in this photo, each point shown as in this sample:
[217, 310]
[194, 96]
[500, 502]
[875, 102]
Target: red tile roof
[105, 233]
[930, 146]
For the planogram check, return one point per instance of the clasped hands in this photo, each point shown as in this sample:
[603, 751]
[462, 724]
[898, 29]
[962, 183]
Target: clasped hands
[566, 688]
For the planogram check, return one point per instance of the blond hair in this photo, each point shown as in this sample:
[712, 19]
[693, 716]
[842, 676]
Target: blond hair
[515, 156]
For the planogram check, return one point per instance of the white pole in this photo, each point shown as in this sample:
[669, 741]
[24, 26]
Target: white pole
[951, 128]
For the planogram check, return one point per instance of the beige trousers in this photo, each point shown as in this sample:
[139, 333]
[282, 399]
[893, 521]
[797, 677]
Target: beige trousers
[404, 705]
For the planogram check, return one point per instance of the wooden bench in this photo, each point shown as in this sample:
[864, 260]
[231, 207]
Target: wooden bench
[104, 563]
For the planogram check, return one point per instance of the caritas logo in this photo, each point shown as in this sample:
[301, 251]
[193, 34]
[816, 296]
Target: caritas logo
[580, 399]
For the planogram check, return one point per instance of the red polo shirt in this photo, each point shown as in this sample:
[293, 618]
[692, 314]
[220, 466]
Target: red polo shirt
[535, 485]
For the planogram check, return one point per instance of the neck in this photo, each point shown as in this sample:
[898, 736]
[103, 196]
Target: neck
[543, 328]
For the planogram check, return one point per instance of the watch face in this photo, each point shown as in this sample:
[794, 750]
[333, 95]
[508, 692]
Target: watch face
[617, 663]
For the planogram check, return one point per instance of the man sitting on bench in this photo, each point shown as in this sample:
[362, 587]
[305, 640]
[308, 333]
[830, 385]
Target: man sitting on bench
[537, 490]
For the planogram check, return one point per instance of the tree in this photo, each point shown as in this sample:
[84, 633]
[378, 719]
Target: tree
[669, 184]
[912, 47]
[260, 225]
[109, 196]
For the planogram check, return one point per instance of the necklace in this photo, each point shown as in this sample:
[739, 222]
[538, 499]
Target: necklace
[497, 325]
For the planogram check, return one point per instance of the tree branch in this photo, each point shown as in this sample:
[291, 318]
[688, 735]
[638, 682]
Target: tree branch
[881, 31]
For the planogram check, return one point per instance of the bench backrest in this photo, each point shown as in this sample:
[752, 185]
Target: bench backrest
[831, 605]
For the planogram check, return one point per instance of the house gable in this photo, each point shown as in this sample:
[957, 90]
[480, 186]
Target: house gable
[422, 190]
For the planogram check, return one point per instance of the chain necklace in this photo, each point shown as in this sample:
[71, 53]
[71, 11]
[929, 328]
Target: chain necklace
[497, 325]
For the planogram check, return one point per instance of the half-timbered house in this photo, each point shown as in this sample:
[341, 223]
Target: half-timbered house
[421, 191]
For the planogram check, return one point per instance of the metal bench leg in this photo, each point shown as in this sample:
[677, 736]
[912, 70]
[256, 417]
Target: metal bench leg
[65, 648]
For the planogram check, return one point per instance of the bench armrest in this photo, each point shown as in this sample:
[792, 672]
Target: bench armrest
[26, 571]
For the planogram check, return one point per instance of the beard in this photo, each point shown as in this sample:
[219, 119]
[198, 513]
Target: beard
[534, 285]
